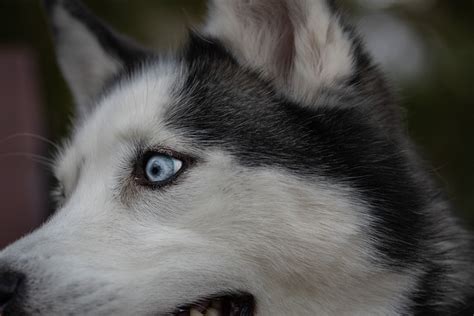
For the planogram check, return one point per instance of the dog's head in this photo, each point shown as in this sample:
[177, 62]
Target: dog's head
[260, 167]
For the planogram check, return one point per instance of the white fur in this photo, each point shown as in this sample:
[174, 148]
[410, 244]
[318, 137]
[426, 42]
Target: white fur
[300, 45]
[300, 248]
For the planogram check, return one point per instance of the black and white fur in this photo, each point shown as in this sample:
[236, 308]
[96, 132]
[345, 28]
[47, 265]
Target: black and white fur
[305, 193]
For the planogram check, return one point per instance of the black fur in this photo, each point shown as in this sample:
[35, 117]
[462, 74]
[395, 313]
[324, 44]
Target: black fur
[225, 105]
[233, 108]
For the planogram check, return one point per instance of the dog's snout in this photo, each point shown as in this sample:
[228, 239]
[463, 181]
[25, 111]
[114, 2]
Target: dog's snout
[9, 284]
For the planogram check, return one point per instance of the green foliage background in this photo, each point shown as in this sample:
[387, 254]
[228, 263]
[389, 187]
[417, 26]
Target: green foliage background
[439, 104]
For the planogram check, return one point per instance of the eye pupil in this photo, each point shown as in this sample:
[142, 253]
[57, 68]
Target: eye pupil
[155, 170]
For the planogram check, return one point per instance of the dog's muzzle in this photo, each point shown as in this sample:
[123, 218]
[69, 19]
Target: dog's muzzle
[237, 304]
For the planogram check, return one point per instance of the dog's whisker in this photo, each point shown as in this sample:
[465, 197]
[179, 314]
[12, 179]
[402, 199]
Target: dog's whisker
[31, 135]
[34, 157]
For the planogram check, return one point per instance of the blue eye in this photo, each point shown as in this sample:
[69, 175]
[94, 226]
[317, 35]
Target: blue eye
[160, 168]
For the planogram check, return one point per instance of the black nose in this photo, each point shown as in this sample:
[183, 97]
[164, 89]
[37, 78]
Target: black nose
[9, 284]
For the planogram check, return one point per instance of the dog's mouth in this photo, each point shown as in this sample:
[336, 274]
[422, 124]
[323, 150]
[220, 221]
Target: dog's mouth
[239, 304]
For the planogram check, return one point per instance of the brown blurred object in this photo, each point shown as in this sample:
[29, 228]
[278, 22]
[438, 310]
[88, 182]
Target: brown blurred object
[22, 179]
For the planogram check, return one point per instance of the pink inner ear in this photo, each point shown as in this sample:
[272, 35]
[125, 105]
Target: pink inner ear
[274, 24]
[285, 52]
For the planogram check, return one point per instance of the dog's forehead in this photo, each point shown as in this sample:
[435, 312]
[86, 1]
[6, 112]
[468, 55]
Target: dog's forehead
[132, 110]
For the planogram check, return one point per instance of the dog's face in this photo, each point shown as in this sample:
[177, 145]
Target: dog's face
[259, 167]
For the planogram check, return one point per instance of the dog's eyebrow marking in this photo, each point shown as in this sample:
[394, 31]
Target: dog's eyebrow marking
[134, 136]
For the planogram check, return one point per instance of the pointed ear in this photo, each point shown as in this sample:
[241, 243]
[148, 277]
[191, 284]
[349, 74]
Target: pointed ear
[301, 45]
[88, 51]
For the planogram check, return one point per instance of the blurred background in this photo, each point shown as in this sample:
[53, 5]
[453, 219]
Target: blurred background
[425, 46]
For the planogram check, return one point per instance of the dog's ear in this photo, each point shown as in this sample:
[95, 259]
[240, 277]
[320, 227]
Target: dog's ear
[302, 45]
[88, 51]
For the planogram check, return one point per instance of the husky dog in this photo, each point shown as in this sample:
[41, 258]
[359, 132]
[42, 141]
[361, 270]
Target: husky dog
[261, 170]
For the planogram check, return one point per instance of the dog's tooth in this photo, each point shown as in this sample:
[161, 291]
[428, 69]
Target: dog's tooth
[195, 312]
[212, 312]
[182, 313]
